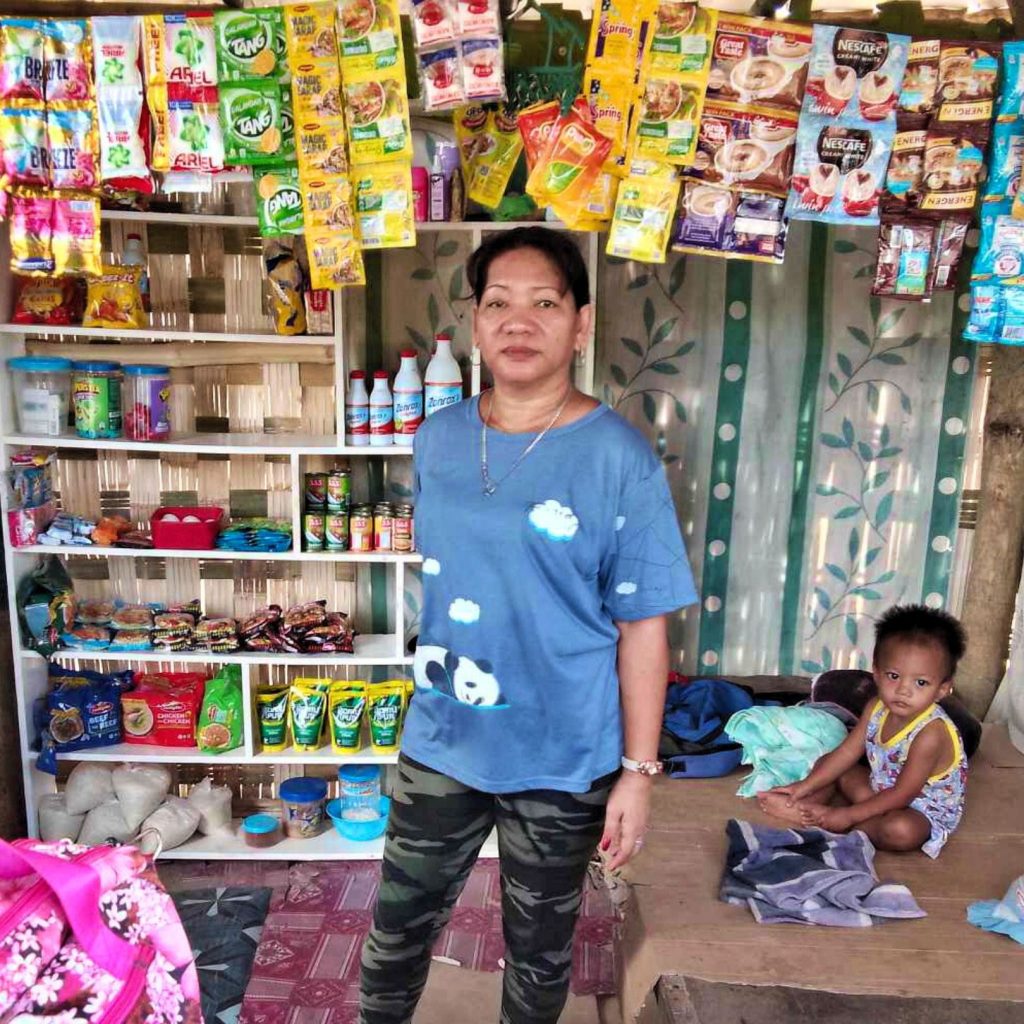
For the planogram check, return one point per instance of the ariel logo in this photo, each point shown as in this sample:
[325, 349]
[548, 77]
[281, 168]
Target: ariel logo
[245, 37]
[251, 116]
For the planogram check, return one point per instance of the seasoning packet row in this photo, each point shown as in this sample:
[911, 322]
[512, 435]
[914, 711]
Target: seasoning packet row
[53, 235]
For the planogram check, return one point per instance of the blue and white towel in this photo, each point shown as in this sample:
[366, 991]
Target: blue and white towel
[809, 876]
[1005, 916]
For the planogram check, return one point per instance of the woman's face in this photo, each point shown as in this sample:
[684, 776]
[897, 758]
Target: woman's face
[527, 326]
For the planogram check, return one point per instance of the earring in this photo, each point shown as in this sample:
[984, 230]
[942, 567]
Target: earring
[581, 356]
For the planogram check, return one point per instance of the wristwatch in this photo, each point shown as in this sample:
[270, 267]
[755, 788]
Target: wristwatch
[642, 767]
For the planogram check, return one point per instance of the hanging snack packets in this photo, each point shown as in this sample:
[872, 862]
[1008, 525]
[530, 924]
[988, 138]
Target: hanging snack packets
[967, 81]
[31, 227]
[535, 126]
[571, 162]
[479, 17]
[609, 97]
[246, 44]
[320, 148]
[750, 147]
[493, 169]
[179, 49]
[116, 46]
[666, 119]
[67, 72]
[309, 30]
[856, 72]
[615, 36]
[1011, 96]
[757, 61]
[377, 115]
[921, 78]
[279, 201]
[441, 83]
[21, 61]
[72, 139]
[470, 132]
[682, 37]
[114, 299]
[327, 205]
[75, 237]
[123, 120]
[316, 90]
[369, 34]
[904, 258]
[335, 260]
[23, 148]
[643, 217]
[382, 194]
[483, 72]
[250, 117]
[732, 223]
[433, 21]
[193, 140]
[839, 171]
[952, 168]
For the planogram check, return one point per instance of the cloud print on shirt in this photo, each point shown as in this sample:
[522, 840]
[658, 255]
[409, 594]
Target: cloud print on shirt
[464, 611]
[431, 567]
[553, 520]
[626, 588]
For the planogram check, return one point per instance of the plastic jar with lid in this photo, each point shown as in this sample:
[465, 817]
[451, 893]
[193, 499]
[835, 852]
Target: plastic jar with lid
[146, 414]
[360, 791]
[302, 806]
[261, 830]
[96, 393]
[42, 394]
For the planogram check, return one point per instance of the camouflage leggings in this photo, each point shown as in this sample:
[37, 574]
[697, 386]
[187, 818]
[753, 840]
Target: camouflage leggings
[437, 826]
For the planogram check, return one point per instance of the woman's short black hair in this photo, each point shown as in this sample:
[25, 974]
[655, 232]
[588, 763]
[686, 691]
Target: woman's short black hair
[558, 247]
[916, 623]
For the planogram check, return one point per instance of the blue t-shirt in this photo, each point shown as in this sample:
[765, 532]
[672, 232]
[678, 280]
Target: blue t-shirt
[516, 683]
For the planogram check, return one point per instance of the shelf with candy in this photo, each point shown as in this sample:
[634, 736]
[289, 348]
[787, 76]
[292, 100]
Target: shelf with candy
[212, 444]
[300, 350]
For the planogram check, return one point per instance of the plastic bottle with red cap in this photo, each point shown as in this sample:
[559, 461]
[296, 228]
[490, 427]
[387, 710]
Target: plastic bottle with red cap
[357, 410]
[408, 398]
[382, 426]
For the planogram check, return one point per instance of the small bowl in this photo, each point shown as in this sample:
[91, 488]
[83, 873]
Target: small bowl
[360, 831]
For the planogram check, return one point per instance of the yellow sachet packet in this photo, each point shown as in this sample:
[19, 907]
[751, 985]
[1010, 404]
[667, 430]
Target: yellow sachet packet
[320, 148]
[682, 37]
[272, 716]
[615, 28]
[316, 91]
[307, 712]
[327, 205]
[385, 710]
[382, 195]
[377, 116]
[493, 169]
[609, 96]
[310, 34]
[644, 214]
[369, 35]
[470, 128]
[335, 260]
[666, 119]
[347, 708]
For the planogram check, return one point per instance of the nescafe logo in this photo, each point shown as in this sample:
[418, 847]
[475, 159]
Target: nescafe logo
[861, 50]
[847, 148]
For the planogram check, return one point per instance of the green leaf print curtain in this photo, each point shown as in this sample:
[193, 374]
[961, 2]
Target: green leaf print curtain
[813, 435]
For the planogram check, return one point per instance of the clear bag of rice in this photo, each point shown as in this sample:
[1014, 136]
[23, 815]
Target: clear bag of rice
[171, 824]
[214, 806]
[103, 823]
[88, 786]
[54, 820]
[140, 790]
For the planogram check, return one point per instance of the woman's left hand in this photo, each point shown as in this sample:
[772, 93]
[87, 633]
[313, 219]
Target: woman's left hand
[625, 820]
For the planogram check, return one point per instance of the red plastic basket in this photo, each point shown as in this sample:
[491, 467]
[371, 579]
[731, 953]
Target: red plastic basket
[201, 536]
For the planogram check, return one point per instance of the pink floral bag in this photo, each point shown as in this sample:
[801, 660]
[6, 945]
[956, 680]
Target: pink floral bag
[90, 936]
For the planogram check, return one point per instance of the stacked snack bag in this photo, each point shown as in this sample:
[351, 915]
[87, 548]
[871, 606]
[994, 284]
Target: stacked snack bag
[997, 278]
[49, 166]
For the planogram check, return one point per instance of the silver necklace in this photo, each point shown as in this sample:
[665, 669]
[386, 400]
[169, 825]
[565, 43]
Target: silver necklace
[489, 485]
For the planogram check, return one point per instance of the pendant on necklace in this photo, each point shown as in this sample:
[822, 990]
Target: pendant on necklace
[489, 489]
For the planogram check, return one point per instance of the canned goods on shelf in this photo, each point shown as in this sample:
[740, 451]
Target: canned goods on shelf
[360, 528]
[383, 526]
[339, 490]
[402, 538]
[315, 497]
[336, 531]
[313, 531]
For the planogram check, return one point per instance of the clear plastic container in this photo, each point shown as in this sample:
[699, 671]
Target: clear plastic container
[96, 393]
[42, 394]
[360, 792]
[261, 830]
[146, 394]
[302, 806]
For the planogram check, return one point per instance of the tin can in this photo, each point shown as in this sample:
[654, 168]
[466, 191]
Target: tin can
[313, 531]
[339, 490]
[337, 531]
[383, 527]
[402, 529]
[316, 492]
[360, 529]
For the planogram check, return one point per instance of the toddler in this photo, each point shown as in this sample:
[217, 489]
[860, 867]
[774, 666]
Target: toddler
[912, 793]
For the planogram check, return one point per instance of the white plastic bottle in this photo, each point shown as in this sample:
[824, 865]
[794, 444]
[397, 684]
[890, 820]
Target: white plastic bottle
[357, 410]
[381, 411]
[443, 377]
[408, 392]
[135, 256]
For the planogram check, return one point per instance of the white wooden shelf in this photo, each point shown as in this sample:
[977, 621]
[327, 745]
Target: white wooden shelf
[215, 444]
[370, 649]
[142, 753]
[99, 551]
[163, 334]
[328, 845]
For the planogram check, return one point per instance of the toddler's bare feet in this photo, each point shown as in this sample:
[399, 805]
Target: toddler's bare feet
[781, 806]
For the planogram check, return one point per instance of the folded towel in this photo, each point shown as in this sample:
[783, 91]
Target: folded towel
[809, 876]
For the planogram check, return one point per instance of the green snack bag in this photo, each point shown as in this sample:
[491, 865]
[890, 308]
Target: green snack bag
[348, 701]
[246, 44]
[279, 201]
[287, 152]
[307, 706]
[250, 116]
[220, 720]
[385, 705]
[272, 712]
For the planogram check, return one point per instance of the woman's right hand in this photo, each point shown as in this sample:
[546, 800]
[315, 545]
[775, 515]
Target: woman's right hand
[793, 792]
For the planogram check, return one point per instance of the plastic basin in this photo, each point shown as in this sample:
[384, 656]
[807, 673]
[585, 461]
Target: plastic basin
[360, 831]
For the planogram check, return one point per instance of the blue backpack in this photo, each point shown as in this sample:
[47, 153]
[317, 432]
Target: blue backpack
[693, 744]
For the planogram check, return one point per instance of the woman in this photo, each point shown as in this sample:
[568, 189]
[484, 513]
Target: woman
[552, 555]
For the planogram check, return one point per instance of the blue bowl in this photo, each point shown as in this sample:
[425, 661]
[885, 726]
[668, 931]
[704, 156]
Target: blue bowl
[360, 831]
